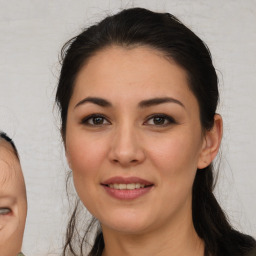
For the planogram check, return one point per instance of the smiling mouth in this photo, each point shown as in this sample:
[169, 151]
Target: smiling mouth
[129, 186]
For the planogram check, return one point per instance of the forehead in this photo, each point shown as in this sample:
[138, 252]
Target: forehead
[9, 164]
[137, 62]
[138, 71]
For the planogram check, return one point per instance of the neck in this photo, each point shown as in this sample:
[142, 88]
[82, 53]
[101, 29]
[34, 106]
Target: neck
[179, 240]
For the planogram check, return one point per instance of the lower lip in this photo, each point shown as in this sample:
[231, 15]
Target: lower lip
[126, 194]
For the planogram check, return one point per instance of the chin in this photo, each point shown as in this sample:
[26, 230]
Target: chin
[126, 229]
[126, 224]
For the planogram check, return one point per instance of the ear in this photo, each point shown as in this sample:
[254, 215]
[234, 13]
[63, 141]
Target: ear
[68, 157]
[211, 143]
[65, 148]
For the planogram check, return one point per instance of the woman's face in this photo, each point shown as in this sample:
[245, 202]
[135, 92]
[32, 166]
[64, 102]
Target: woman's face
[133, 139]
[13, 204]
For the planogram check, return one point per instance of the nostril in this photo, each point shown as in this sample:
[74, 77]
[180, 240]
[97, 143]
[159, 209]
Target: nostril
[129, 161]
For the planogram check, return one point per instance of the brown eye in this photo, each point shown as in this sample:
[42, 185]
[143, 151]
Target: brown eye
[95, 120]
[160, 120]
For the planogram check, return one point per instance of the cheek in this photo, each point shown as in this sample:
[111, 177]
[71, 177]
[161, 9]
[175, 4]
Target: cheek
[85, 155]
[176, 151]
[175, 158]
[9, 229]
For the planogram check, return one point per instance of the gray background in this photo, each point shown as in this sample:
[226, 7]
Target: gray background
[31, 36]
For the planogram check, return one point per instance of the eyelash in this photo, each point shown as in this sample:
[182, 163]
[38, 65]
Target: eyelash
[170, 120]
[93, 117]
[104, 121]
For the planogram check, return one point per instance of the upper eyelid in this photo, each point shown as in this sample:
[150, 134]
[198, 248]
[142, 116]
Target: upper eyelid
[169, 118]
[5, 208]
[94, 115]
[86, 118]
[160, 115]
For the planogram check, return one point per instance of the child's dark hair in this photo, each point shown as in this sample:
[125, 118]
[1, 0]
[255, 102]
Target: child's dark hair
[4, 136]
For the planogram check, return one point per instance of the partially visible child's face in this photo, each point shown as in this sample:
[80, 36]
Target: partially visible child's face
[13, 203]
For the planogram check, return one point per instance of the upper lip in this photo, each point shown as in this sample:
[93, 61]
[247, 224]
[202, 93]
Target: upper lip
[126, 180]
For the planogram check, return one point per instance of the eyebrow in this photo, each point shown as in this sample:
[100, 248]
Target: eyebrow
[157, 101]
[145, 103]
[95, 100]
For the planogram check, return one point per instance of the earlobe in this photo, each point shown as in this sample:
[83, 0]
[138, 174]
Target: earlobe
[68, 158]
[211, 144]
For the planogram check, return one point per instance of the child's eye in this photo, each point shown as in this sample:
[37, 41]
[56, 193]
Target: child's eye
[5, 211]
[95, 120]
[160, 120]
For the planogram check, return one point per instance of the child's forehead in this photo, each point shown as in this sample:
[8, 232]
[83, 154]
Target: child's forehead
[9, 164]
[6, 170]
[7, 152]
[7, 173]
[5, 146]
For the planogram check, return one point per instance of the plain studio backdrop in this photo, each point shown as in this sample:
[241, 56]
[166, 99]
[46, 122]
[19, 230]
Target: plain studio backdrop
[32, 33]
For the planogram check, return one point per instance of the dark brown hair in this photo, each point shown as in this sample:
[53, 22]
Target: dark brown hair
[164, 32]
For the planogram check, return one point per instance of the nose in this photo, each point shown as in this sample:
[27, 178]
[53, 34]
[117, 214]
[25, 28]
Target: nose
[126, 147]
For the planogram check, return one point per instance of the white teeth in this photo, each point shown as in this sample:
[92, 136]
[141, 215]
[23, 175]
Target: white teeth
[122, 186]
[116, 186]
[137, 185]
[129, 186]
